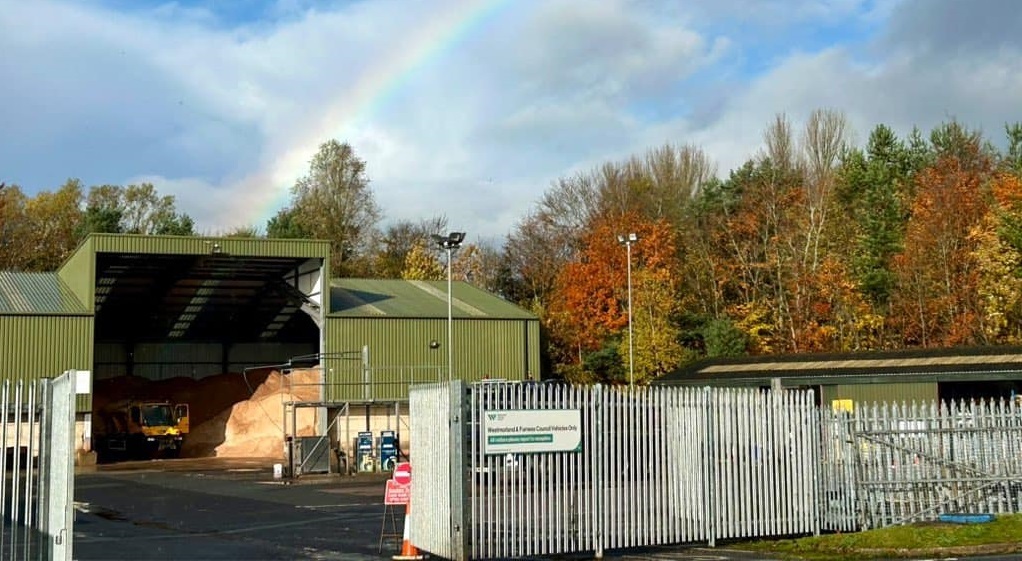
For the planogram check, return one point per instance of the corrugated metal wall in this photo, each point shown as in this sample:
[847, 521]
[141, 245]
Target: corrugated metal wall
[189, 245]
[400, 352]
[37, 346]
[880, 392]
[33, 347]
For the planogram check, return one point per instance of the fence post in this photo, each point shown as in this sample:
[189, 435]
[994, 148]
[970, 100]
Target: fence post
[60, 468]
[711, 474]
[812, 416]
[461, 509]
[596, 488]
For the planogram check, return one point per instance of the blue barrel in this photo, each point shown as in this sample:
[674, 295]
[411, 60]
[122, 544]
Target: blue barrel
[954, 518]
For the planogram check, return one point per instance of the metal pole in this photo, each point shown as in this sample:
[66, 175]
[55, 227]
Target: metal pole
[631, 352]
[450, 321]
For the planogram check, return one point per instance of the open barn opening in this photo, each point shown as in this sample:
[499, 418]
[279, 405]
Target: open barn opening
[181, 339]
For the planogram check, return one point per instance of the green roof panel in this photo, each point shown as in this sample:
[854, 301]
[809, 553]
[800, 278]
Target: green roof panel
[36, 293]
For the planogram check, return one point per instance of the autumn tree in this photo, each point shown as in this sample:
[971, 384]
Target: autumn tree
[145, 211]
[397, 242]
[936, 303]
[754, 237]
[15, 230]
[333, 202]
[587, 299]
[477, 263]
[134, 209]
[655, 308]
[53, 219]
[589, 308]
[421, 263]
[533, 255]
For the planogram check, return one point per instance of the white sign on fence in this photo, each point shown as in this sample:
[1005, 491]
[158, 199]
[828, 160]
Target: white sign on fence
[527, 431]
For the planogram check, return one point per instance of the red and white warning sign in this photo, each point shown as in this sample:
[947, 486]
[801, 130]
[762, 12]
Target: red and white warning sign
[397, 494]
[399, 487]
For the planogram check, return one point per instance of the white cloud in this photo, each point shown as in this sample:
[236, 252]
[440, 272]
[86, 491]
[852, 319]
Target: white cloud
[469, 117]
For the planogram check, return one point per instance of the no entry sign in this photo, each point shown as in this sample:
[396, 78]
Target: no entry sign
[403, 473]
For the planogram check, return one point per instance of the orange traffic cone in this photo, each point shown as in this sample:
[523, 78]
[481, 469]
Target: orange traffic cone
[408, 551]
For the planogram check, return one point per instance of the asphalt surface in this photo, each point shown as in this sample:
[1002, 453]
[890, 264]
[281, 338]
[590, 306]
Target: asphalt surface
[223, 510]
[196, 510]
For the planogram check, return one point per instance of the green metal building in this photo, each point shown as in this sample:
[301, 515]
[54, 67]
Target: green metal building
[907, 375]
[404, 324]
[168, 306]
[44, 328]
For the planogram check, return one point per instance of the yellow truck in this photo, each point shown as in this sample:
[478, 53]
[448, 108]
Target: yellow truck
[140, 429]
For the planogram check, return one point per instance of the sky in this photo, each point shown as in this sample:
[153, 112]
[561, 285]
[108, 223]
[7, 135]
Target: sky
[468, 109]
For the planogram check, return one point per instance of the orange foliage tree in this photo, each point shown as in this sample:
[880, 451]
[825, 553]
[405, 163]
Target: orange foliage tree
[998, 255]
[936, 301]
[590, 301]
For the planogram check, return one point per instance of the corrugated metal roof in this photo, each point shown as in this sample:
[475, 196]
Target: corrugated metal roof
[908, 364]
[986, 361]
[36, 293]
[417, 299]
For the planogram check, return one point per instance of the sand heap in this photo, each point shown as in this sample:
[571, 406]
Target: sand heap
[231, 415]
[254, 428]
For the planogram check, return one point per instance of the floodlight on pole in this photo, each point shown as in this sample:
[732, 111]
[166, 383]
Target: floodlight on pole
[449, 243]
[627, 241]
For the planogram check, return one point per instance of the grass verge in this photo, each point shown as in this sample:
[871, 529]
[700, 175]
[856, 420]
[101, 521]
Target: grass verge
[936, 539]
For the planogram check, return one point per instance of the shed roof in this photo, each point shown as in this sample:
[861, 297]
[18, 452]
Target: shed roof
[977, 363]
[389, 298]
[36, 293]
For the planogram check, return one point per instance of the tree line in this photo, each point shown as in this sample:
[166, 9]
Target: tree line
[814, 244]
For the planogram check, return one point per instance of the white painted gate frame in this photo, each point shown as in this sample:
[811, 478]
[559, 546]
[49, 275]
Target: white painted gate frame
[37, 429]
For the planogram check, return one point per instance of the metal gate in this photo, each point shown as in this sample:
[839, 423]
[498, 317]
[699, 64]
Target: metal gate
[909, 462]
[653, 466]
[37, 467]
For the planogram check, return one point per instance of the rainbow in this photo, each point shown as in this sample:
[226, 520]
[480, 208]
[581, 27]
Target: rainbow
[269, 191]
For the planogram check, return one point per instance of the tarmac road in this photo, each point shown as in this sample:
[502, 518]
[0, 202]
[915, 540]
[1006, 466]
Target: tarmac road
[192, 510]
[214, 509]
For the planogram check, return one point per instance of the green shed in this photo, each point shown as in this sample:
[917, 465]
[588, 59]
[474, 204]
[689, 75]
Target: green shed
[44, 328]
[383, 335]
[874, 376]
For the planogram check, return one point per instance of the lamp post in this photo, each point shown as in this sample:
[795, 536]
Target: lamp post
[627, 241]
[450, 242]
